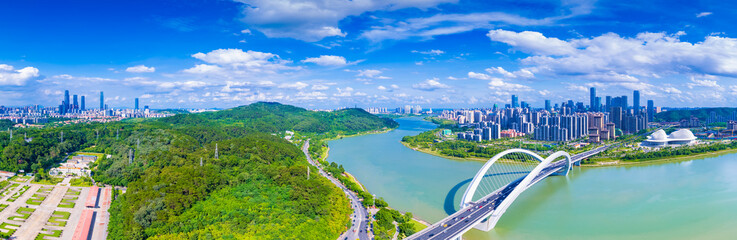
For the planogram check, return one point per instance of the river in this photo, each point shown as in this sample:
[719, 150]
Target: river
[694, 199]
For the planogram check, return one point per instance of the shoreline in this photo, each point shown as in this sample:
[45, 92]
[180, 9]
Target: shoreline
[338, 137]
[665, 160]
[350, 176]
[599, 164]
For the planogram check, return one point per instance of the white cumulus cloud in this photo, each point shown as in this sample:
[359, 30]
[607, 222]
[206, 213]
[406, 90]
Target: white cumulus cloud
[10, 76]
[140, 69]
[327, 60]
[430, 85]
[610, 57]
[313, 20]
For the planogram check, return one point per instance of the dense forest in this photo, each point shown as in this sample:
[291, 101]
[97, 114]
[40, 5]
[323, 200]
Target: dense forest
[701, 113]
[6, 124]
[257, 187]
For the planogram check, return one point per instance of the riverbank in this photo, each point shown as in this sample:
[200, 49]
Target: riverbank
[358, 134]
[435, 153]
[660, 160]
[598, 163]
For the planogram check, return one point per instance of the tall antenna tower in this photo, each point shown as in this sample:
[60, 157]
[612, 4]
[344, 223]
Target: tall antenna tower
[138, 142]
[200, 161]
[11, 133]
[117, 131]
[97, 135]
[130, 156]
[216, 151]
[61, 138]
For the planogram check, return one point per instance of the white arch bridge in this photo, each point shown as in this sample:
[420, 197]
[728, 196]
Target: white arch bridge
[495, 187]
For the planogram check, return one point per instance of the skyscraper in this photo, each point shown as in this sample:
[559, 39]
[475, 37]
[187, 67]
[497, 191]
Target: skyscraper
[82, 103]
[75, 104]
[136, 103]
[102, 101]
[515, 102]
[608, 103]
[66, 101]
[592, 98]
[625, 107]
[597, 104]
[636, 102]
[650, 110]
[547, 106]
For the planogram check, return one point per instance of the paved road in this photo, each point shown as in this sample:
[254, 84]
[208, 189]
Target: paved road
[459, 222]
[359, 217]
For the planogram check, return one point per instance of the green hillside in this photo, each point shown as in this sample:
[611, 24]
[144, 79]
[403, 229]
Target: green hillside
[701, 113]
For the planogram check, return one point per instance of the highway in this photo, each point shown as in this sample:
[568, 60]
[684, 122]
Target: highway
[464, 219]
[359, 217]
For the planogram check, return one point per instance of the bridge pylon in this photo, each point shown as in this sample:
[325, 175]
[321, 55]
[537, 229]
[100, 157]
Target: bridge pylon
[540, 171]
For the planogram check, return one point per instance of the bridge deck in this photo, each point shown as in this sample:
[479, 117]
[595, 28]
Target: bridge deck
[464, 219]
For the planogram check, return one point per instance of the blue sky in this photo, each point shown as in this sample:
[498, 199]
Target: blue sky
[382, 53]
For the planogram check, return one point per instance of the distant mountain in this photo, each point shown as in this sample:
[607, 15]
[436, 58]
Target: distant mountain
[701, 113]
[271, 117]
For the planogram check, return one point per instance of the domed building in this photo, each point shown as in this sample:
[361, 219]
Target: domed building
[659, 138]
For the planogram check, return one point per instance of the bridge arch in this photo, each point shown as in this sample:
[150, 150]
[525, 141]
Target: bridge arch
[529, 179]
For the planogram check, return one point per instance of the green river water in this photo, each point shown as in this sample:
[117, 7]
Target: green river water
[694, 199]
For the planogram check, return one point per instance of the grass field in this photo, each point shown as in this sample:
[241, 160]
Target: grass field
[59, 218]
[9, 189]
[23, 212]
[17, 194]
[68, 202]
[98, 155]
[81, 182]
[48, 233]
[70, 198]
[36, 199]
[418, 226]
[50, 181]
[18, 178]
[3, 207]
[73, 192]
[8, 229]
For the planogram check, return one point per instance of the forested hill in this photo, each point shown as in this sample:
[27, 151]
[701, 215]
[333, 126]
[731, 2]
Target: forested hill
[5, 124]
[257, 187]
[701, 113]
[271, 117]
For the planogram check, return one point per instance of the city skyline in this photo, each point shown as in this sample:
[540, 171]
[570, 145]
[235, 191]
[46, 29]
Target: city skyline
[435, 53]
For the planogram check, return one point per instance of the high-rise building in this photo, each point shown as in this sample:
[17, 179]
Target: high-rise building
[102, 101]
[592, 98]
[136, 103]
[636, 102]
[650, 110]
[547, 106]
[82, 107]
[597, 104]
[608, 103]
[616, 116]
[66, 101]
[624, 103]
[515, 101]
[75, 104]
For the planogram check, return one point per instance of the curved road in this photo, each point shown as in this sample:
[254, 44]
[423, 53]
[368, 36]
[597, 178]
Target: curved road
[359, 218]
